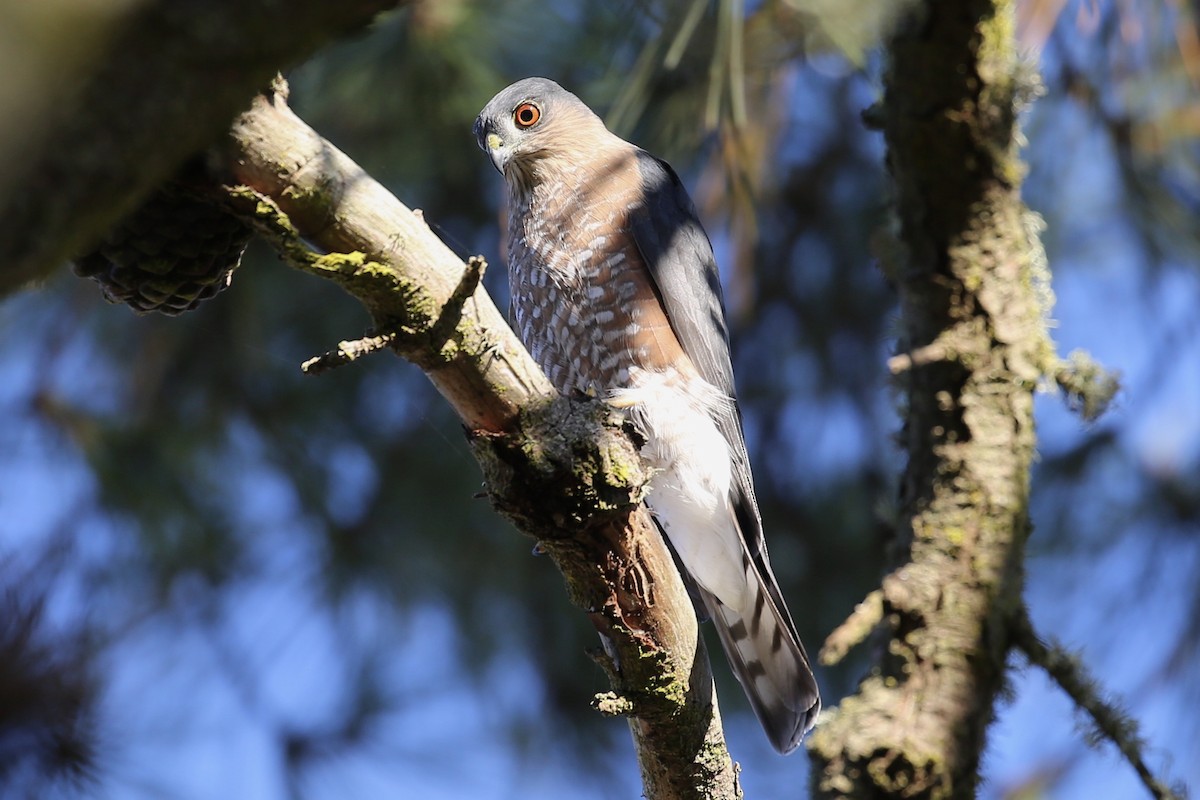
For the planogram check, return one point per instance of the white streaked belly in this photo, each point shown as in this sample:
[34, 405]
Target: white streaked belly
[689, 493]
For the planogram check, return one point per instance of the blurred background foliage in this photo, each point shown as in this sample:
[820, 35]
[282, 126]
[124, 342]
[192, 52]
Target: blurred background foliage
[219, 577]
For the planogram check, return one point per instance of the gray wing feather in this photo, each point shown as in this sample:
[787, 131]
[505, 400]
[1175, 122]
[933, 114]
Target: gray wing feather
[680, 258]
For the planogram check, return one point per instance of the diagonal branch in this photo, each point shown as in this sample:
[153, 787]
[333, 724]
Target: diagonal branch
[565, 472]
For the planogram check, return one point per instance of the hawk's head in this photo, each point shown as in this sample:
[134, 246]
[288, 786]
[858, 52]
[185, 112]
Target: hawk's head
[530, 120]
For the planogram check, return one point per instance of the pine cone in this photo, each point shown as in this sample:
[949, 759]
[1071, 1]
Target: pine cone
[179, 249]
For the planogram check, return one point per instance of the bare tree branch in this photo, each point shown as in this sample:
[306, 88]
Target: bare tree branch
[1112, 723]
[347, 353]
[565, 471]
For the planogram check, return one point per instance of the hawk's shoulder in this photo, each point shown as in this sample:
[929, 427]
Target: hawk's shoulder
[679, 256]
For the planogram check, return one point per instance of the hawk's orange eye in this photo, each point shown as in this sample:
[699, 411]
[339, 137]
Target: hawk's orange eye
[526, 115]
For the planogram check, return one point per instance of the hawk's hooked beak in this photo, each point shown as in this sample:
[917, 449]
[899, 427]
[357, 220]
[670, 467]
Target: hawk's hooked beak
[491, 143]
[494, 146]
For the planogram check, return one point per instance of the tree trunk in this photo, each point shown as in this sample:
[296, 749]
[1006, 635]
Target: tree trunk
[973, 348]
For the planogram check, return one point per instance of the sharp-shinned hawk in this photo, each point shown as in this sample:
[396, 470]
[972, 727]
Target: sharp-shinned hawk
[615, 292]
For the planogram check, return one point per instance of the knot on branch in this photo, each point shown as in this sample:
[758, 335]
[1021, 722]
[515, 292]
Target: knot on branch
[567, 465]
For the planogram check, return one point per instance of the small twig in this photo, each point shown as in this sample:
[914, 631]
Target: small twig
[922, 356]
[854, 630]
[1089, 387]
[1111, 722]
[451, 312]
[347, 352]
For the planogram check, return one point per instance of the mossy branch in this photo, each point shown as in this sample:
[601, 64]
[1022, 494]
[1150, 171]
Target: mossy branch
[1112, 722]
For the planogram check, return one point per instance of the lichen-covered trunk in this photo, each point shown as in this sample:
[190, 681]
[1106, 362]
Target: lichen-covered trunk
[972, 347]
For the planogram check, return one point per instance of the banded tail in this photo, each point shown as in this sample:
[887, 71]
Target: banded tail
[765, 653]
